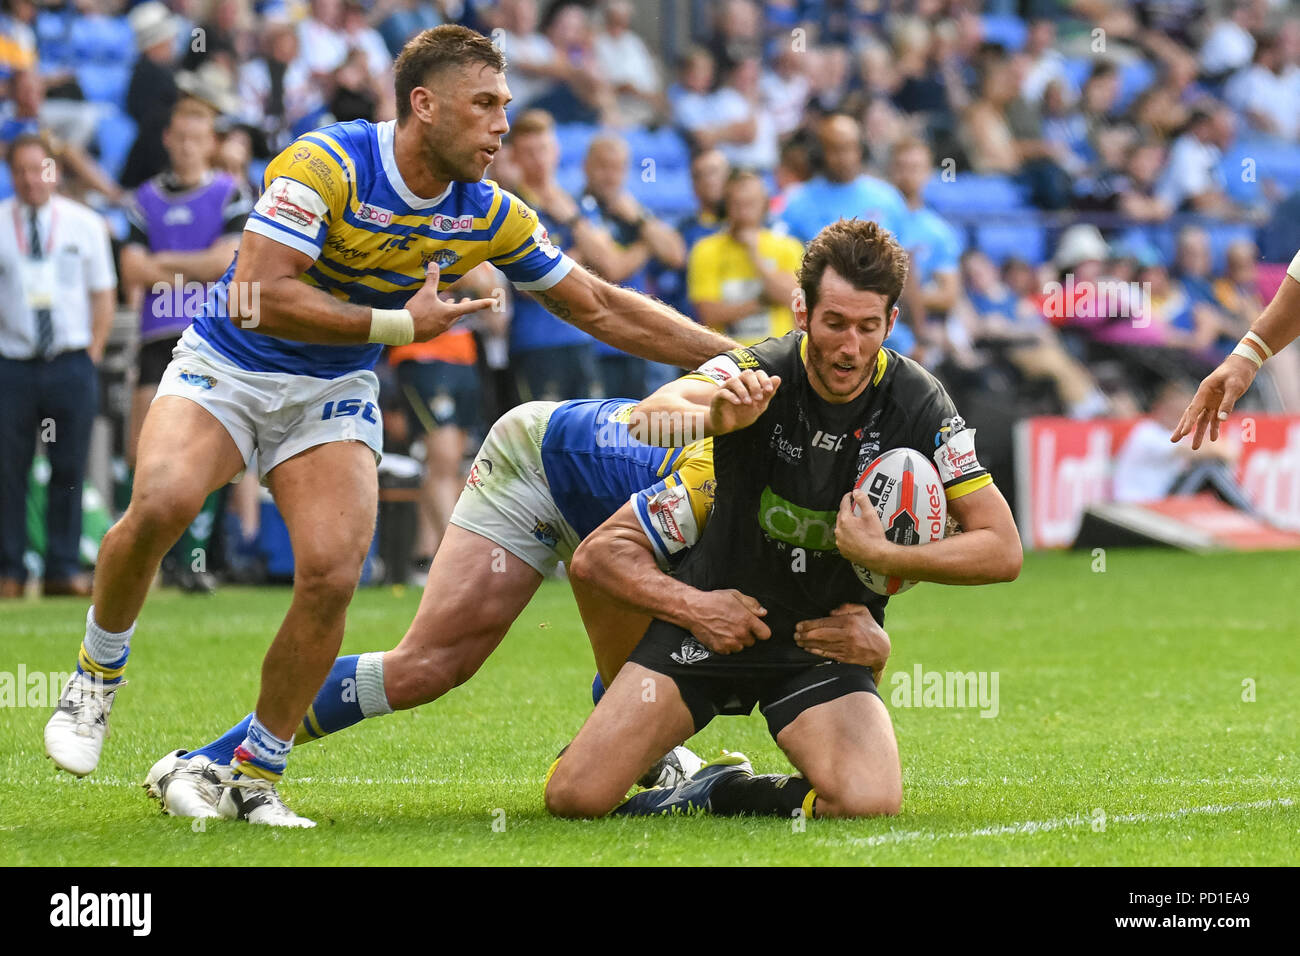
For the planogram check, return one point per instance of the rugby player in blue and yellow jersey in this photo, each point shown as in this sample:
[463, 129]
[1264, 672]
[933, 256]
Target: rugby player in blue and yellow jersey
[547, 475]
[359, 227]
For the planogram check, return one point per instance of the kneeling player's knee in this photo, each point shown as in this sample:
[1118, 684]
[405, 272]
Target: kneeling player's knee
[859, 799]
[567, 797]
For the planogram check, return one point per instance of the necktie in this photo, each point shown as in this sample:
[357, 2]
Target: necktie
[44, 317]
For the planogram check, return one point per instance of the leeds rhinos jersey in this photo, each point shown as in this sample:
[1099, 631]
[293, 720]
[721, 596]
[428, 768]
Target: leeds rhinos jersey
[336, 195]
[593, 466]
[780, 482]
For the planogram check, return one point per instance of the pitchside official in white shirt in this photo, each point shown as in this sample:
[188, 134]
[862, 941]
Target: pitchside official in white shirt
[57, 290]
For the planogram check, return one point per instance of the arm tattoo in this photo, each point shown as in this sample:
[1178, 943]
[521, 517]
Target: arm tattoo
[557, 307]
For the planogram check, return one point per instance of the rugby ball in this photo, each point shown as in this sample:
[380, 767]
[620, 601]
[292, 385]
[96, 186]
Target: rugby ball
[905, 488]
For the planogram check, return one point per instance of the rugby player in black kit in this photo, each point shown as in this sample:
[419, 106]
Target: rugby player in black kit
[795, 421]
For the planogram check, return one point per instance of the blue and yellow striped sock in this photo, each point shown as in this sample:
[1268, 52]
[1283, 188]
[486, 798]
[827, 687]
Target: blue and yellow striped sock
[103, 653]
[262, 753]
[597, 689]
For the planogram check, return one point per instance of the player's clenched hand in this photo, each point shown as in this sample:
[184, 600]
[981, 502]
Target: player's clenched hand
[738, 404]
[850, 635]
[1215, 399]
[431, 314]
[860, 537]
[727, 621]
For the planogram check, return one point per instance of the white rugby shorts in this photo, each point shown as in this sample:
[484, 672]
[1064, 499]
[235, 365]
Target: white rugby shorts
[271, 413]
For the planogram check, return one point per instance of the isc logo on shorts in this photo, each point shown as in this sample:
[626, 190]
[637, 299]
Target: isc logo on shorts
[349, 407]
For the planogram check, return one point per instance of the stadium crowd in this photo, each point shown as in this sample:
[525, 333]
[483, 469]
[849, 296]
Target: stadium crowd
[1095, 195]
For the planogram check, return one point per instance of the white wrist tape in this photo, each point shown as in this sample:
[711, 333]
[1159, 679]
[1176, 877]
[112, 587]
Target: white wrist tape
[1263, 346]
[1245, 351]
[1293, 270]
[392, 326]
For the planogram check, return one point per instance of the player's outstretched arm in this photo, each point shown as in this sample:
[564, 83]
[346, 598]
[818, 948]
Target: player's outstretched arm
[617, 559]
[988, 550]
[1277, 326]
[266, 282]
[692, 408]
[628, 320]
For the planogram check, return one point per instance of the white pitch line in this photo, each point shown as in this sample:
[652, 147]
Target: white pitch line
[1061, 823]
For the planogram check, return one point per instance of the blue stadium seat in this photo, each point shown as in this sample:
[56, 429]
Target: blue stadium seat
[100, 39]
[1134, 78]
[1026, 241]
[104, 83]
[51, 30]
[257, 170]
[1269, 159]
[574, 139]
[1224, 235]
[6, 182]
[1078, 70]
[114, 136]
[670, 195]
[665, 146]
[571, 179]
[1009, 31]
[972, 193]
[119, 227]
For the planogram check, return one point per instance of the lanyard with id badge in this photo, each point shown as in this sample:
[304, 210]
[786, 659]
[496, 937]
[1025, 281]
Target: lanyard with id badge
[39, 276]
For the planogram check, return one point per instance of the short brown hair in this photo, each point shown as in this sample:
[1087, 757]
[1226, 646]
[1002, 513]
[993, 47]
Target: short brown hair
[40, 139]
[432, 51]
[533, 121]
[865, 254]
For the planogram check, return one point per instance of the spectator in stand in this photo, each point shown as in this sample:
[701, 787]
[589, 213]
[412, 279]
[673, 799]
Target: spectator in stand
[185, 229]
[579, 92]
[1148, 467]
[830, 78]
[843, 189]
[709, 172]
[228, 36]
[439, 380]
[58, 287]
[152, 93]
[532, 65]
[1230, 43]
[746, 130]
[1137, 193]
[1066, 129]
[934, 284]
[999, 322]
[741, 280]
[626, 64]
[1193, 265]
[785, 88]
[17, 47]
[638, 238]
[1046, 63]
[1264, 93]
[1004, 137]
[277, 90]
[28, 109]
[1193, 179]
[737, 33]
[321, 40]
[1164, 108]
[551, 359]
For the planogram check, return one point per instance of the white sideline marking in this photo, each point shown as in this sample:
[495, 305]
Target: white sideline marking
[1061, 823]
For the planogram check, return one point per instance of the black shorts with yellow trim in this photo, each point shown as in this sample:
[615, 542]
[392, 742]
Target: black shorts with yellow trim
[713, 684]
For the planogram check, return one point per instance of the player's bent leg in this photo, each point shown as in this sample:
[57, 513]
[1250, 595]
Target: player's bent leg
[847, 751]
[328, 496]
[170, 486]
[613, 628]
[475, 591]
[641, 717]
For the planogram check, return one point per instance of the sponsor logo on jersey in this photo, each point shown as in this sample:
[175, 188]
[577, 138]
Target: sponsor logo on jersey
[828, 442]
[440, 223]
[375, 214]
[721, 369]
[282, 206]
[543, 240]
[444, 257]
[744, 358]
[794, 524]
[956, 458]
[545, 532]
[197, 380]
[947, 429]
[692, 652]
[476, 476]
[661, 512]
[178, 216]
[784, 447]
[301, 153]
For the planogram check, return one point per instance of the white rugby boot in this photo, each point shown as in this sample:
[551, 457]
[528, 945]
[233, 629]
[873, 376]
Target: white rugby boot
[74, 736]
[256, 800]
[676, 766]
[186, 787]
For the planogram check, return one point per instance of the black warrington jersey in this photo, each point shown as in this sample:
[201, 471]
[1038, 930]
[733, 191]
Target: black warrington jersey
[780, 482]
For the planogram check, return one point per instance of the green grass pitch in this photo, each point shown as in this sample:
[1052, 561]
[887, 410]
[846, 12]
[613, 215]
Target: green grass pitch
[1125, 734]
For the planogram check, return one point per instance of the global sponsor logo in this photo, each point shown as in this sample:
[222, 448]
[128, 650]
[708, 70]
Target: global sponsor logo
[794, 524]
[440, 223]
[375, 214]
